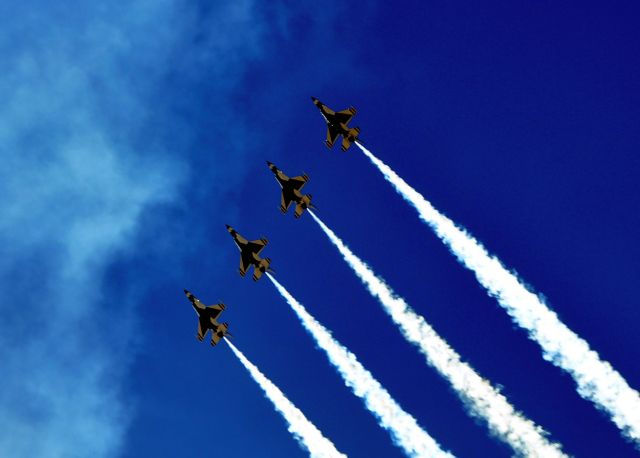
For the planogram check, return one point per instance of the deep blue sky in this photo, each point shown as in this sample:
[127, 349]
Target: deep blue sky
[131, 135]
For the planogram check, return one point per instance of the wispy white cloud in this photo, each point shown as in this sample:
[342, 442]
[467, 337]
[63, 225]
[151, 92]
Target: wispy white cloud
[83, 159]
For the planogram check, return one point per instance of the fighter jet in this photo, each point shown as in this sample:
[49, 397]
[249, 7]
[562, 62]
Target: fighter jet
[337, 125]
[249, 252]
[291, 191]
[207, 320]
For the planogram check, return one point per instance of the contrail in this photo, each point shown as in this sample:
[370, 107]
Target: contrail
[404, 429]
[482, 400]
[596, 380]
[305, 432]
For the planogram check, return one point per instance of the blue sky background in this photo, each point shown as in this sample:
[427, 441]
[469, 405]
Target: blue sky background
[131, 134]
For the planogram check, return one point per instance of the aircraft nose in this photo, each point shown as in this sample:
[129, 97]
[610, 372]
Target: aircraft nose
[228, 227]
[314, 99]
[269, 164]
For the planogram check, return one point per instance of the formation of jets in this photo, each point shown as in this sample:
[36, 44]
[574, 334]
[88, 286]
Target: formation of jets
[337, 125]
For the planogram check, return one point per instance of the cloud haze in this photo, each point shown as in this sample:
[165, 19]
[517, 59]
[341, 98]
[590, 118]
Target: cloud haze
[82, 161]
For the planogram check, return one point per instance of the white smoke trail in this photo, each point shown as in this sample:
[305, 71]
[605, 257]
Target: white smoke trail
[404, 429]
[305, 432]
[596, 379]
[483, 401]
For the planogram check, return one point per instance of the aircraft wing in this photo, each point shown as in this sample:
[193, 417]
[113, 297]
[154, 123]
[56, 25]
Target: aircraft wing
[214, 312]
[299, 182]
[285, 202]
[258, 245]
[332, 134]
[345, 116]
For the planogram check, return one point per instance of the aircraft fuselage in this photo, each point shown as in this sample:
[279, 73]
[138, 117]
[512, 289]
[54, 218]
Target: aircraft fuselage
[246, 253]
[339, 126]
[289, 190]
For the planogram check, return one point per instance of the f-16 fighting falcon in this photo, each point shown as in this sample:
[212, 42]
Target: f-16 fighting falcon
[249, 252]
[337, 125]
[291, 191]
[207, 320]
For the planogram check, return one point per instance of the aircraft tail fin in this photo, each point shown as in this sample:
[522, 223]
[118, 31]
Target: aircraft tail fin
[219, 333]
[351, 137]
[262, 268]
[304, 203]
[346, 143]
